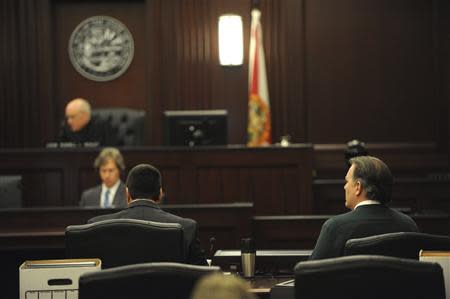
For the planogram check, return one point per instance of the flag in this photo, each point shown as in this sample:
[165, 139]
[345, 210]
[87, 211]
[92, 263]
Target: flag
[259, 125]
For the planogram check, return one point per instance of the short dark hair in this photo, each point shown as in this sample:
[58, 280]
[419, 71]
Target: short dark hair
[374, 176]
[144, 182]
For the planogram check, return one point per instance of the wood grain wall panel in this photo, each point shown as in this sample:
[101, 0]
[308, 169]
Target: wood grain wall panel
[191, 77]
[284, 44]
[232, 188]
[420, 176]
[24, 44]
[45, 184]
[88, 178]
[406, 159]
[443, 62]
[190, 176]
[275, 232]
[274, 190]
[129, 89]
[209, 181]
[331, 67]
[370, 71]
[171, 184]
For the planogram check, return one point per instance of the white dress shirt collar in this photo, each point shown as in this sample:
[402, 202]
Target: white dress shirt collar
[368, 202]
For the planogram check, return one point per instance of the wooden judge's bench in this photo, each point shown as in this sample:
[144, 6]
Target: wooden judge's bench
[276, 179]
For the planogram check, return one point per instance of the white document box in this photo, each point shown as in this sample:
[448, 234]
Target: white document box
[54, 279]
[443, 259]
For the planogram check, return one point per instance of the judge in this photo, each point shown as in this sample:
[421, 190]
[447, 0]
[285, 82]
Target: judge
[80, 126]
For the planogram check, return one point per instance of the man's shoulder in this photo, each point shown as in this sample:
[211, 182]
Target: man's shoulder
[104, 217]
[405, 219]
[340, 218]
[340, 222]
[181, 220]
[91, 196]
[91, 192]
[399, 213]
[93, 189]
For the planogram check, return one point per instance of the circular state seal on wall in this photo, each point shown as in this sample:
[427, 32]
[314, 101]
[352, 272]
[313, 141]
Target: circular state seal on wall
[101, 48]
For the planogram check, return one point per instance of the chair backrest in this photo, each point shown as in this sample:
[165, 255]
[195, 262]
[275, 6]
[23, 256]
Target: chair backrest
[149, 280]
[401, 244]
[10, 191]
[369, 277]
[127, 124]
[121, 242]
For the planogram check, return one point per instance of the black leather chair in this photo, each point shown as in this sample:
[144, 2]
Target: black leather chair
[149, 280]
[121, 242]
[368, 277]
[401, 244]
[127, 124]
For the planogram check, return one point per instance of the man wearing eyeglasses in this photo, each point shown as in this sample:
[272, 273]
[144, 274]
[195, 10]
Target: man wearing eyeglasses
[81, 127]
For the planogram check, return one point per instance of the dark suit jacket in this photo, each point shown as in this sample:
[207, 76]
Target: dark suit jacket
[91, 197]
[97, 130]
[364, 221]
[150, 211]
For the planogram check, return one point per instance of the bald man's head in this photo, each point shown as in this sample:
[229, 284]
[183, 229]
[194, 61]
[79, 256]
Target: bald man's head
[78, 114]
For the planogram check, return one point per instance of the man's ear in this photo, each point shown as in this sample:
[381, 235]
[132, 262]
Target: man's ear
[359, 188]
[129, 199]
[161, 194]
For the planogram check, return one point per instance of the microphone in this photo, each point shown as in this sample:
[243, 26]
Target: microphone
[212, 240]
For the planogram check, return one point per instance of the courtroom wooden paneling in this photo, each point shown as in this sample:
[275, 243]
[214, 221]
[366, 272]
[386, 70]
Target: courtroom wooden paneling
[130, 89]
[176, 63]
[375, 70]
[277, 179]
[287, 232]
[402, 158]
[377, 61]
[23, 228]
[26, 103]
[301, 232]
[421, 176]
[413, 194]
[443, 62]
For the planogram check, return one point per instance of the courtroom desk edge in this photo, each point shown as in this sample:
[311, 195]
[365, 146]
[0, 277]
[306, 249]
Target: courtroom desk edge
[396, 180]
[383, 146]
[292, 217]
[235, 205]
[232, 205]
[228, 147]
[432, 215]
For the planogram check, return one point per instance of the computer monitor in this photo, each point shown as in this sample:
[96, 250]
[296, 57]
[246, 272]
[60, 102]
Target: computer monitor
[195, 127]
[10, 191]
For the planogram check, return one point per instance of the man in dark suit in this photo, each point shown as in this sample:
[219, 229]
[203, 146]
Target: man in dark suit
[367, 191]
[81, 127]
[144, 191]
[111, 193]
